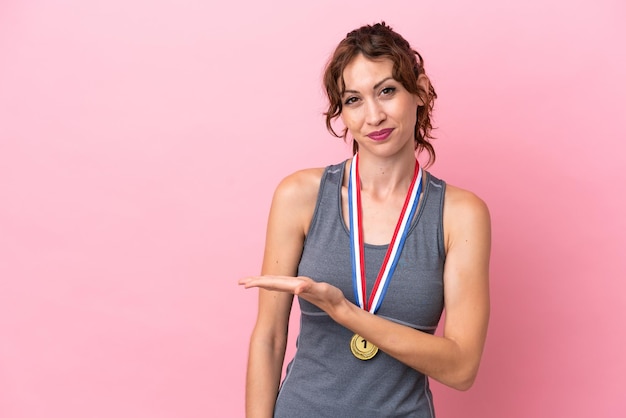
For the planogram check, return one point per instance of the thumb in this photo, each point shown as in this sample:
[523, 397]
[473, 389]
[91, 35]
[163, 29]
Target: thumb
[302, 287]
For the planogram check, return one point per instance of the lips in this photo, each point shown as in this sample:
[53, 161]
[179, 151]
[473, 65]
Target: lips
[380, 135]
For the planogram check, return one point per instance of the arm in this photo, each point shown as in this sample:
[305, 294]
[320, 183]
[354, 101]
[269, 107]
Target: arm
[453, 358]
[290, 215]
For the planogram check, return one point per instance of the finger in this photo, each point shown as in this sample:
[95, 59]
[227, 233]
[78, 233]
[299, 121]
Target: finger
[282, 284]
[270, 279]
[248, 282]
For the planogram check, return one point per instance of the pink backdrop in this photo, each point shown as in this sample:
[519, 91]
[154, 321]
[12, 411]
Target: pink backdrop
[140, 143]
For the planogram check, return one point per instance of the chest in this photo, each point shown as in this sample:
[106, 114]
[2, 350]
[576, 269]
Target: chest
[379, 217]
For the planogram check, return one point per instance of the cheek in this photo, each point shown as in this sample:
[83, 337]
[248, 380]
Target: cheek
[348, 119]
[410, 112]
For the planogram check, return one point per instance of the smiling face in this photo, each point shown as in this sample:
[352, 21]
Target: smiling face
[376, 109]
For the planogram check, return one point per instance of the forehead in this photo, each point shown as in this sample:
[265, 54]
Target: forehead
[363, 73]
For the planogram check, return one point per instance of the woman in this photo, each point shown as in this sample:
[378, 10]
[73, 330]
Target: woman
[374, 248]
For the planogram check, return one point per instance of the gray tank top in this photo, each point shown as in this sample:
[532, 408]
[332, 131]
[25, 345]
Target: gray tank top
[324, 379]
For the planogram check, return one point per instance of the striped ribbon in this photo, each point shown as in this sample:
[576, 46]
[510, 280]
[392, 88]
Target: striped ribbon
[395, 247]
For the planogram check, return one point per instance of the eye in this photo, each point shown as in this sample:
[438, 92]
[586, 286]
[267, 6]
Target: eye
[387, 91]
[350, 100]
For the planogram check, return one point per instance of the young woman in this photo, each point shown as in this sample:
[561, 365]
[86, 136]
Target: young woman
[374, 248]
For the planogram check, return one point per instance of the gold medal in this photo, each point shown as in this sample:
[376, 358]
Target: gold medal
[361, 348]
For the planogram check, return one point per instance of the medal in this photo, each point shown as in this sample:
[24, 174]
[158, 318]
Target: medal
[361, 348]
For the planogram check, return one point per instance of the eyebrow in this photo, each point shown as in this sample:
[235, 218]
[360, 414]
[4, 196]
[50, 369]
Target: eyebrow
[377, 85]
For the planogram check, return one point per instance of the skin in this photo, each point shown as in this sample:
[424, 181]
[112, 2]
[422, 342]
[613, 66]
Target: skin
[373, 101]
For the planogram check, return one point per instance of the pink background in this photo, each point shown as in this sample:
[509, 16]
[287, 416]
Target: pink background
[140, 143]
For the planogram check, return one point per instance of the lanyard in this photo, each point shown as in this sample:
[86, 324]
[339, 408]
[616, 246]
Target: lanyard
[395, 247]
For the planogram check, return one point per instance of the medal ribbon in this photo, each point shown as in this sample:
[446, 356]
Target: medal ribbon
[395, 247]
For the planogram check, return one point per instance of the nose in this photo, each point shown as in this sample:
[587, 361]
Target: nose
[374, 113]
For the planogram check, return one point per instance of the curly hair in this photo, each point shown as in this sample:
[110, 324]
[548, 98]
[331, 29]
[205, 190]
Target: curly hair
[379, 41]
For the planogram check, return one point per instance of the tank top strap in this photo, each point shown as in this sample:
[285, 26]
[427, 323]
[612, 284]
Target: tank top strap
[328, 205]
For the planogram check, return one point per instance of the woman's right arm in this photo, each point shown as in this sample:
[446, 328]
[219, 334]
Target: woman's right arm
[290, 216]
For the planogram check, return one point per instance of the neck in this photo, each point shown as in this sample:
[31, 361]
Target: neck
[386, 176]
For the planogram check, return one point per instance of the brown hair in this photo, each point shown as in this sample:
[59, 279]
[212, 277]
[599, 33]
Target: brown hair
[376, 42]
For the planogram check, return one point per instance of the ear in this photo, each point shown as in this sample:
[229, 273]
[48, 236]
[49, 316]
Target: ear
[423, 83]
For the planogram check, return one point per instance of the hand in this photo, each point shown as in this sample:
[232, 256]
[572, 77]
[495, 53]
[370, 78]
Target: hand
[323, 295]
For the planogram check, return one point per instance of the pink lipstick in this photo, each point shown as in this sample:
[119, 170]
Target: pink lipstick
[380, 135]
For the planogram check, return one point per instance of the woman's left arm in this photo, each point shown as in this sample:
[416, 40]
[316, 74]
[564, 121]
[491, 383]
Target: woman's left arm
[453, 358]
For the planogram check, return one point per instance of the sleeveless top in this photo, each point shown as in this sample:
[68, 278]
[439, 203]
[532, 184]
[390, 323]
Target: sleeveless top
[324, 379]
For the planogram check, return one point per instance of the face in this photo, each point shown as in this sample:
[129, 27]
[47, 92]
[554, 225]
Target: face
[377, 110]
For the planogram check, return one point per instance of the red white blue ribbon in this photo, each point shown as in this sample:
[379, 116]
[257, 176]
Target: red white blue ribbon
[395, 247]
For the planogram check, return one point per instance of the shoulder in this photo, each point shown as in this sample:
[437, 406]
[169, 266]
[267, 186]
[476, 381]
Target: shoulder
[301, 186]
[461, 200]
[295, 198]
[464, 214]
